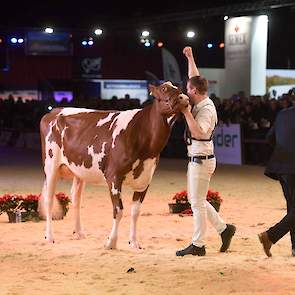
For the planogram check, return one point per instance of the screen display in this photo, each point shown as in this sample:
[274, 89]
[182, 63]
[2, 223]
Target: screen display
[41, 43]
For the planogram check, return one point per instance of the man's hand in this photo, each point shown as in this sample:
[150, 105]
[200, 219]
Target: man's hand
[188, 52]
[187, 109]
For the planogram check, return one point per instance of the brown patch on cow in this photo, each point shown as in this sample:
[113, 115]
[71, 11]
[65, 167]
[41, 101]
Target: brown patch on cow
[65, 172]
[55, 136]
[50, 153]
[139, 195]
[138, 170]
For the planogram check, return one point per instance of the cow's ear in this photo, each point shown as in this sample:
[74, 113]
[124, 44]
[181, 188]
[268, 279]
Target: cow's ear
[152, 89]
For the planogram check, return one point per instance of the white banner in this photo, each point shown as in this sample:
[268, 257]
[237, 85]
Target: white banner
[245, 55]
[170, 67]
[227, 144]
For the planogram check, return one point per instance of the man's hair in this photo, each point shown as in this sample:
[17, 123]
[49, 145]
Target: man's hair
[200, 83]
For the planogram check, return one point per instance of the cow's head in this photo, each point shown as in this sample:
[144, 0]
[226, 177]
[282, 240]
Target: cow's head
[169, 98]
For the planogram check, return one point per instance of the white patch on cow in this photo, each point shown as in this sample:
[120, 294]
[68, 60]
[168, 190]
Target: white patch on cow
[92, 174]
[141, 183]
[97, 157]
[74, 111]
[135, 164]
[135, 208]
[170, 83]
[63, 133]
[105, 120]
[121, 122]
[114, 190]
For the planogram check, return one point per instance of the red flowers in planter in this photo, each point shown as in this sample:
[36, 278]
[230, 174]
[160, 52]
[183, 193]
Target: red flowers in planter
[180, 197]
[10, 203]
[213, 198]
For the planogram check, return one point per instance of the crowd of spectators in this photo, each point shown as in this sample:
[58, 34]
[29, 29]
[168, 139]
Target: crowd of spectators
[256, 115]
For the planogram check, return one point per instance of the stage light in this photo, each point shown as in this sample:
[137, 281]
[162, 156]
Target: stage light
[147, 44]
[209, 45]
[84, 42]
[48, 30]
[98, 32]
[49, 108]
[145, 33]
[1, 40]
[160, 44]
[221, 45]
[190, 34]
[13, 40]
[225, 17]
[90, 42]
[20, 40]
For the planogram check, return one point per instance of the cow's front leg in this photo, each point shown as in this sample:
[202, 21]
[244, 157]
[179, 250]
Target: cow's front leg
[117, 216]
[135, 210]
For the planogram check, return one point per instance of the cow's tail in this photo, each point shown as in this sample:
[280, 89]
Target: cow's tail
[57, 211]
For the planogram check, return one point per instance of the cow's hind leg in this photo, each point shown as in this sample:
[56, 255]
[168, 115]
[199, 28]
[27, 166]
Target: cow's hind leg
[117, 216]
[51, 179]
[76, 192]
[138, 198]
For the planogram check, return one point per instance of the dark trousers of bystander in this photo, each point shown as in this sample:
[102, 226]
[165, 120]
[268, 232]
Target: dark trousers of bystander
[287, 224]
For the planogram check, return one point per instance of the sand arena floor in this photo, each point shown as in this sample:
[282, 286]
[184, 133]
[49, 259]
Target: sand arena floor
[28, 265]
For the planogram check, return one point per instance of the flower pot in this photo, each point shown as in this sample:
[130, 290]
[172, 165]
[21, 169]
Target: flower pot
[178, 207]
[25, 216]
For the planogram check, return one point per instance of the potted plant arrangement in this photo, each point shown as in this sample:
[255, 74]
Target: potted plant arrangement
[181, 203]
[19, 208]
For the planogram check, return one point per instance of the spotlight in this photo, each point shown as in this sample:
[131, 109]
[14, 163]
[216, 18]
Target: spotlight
[225, 17]
[145, 33]
[98, 32]
[20, 40]
[160, 44]
[147, 43]
[190, 34]
[209, 45]
[49, 108]
[48, 30]
[84, 42]
[13, 40]
[221, 45]
[90, 42]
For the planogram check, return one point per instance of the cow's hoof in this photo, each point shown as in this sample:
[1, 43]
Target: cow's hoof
[134, 245]
[110, 244]
[49, 240]
[79, 235]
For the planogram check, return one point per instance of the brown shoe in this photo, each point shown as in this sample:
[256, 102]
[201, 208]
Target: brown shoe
[266, 242]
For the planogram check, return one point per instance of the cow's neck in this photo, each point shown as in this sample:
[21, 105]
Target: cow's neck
[159, 129]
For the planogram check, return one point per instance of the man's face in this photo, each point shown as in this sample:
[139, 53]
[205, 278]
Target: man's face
[191, 91]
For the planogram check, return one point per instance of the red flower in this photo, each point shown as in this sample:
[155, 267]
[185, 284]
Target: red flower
[212, 197]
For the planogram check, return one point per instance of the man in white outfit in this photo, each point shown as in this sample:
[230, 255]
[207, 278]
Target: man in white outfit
[201, 121]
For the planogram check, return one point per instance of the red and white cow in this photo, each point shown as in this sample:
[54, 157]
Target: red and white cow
[114, 147]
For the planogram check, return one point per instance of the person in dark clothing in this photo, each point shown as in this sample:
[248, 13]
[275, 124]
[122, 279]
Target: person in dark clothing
[281, 167]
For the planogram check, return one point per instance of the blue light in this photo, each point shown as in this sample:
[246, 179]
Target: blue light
[84, 43]
[209, 45]
[147, 44]
[13, 40]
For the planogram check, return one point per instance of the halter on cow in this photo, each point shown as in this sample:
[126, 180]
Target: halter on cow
[113, 147]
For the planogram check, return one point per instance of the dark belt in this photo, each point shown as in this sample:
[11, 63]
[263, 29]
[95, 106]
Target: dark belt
[197, 158]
